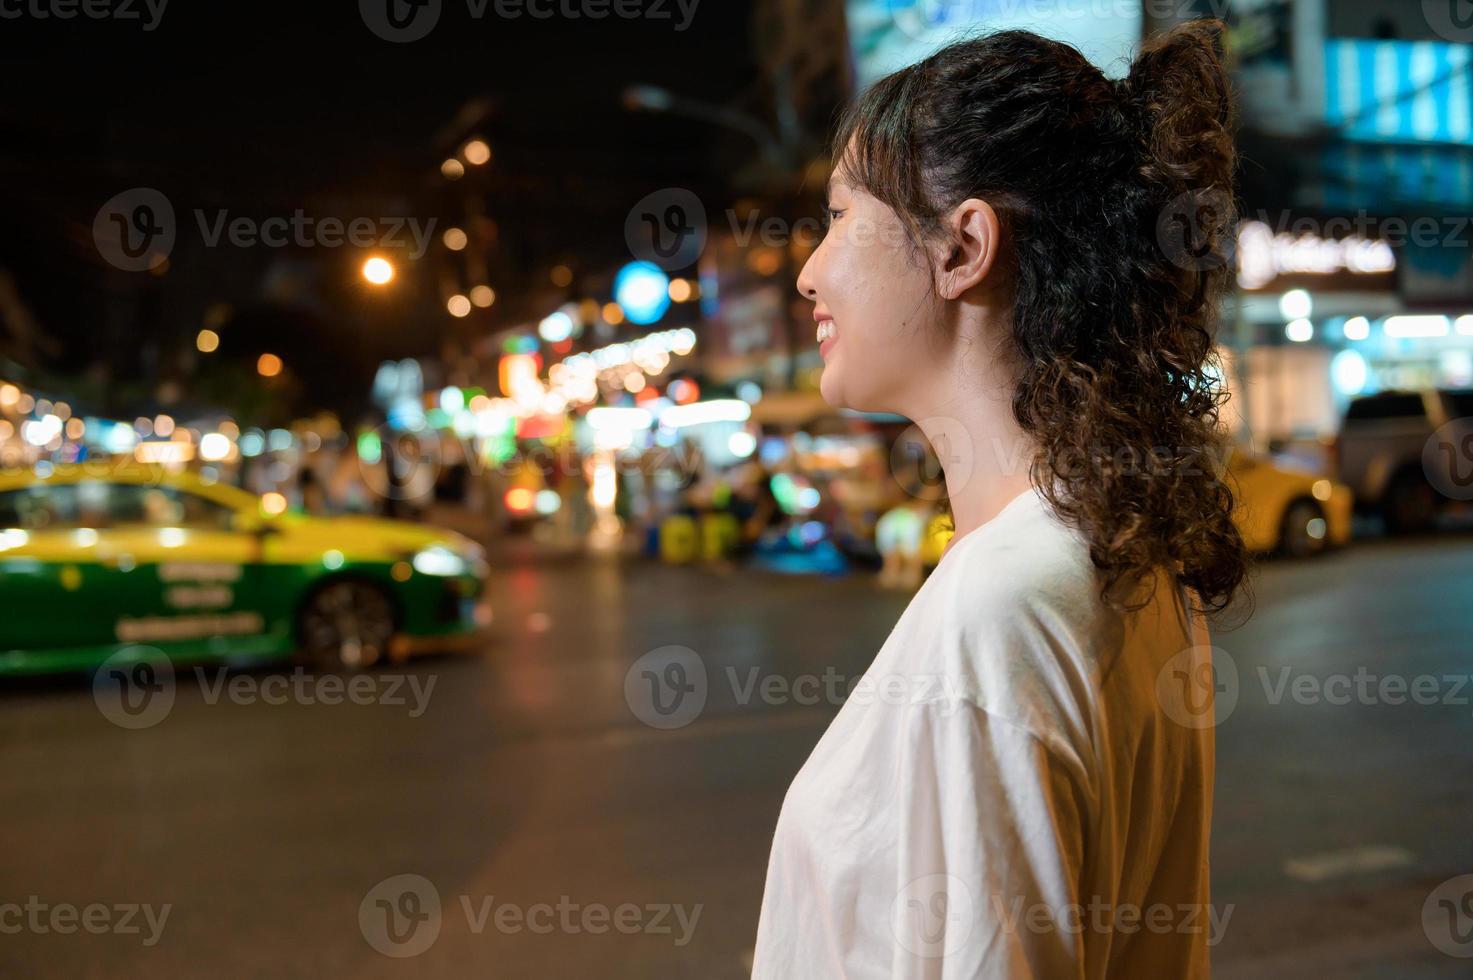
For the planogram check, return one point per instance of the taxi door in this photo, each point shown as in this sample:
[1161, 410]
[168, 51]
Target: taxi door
[182, 572]
[50, 581]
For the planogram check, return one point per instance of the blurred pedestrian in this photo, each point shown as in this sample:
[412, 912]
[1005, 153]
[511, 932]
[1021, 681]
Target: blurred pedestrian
[899, 534]
[756, 507]
[310, 491]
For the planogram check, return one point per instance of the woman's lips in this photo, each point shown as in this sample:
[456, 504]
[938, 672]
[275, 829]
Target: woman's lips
[828, 335]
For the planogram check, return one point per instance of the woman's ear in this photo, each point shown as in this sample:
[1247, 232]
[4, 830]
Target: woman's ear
[975, 236]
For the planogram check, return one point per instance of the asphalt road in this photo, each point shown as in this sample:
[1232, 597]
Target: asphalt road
[258, 823]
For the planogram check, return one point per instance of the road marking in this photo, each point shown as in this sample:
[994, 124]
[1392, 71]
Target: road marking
[1355, 860]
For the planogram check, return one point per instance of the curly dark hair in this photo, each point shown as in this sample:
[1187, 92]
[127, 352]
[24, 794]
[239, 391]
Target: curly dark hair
[1115, 199]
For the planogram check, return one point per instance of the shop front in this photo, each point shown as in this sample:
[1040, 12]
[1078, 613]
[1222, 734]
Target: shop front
[1329, 308]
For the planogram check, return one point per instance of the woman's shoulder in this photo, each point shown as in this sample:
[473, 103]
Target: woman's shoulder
[1030, 573]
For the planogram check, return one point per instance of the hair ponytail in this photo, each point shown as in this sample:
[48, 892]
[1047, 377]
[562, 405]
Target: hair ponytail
[1182, 99]
[1179, 100]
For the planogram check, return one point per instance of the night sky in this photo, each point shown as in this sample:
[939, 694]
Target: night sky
[262, 109]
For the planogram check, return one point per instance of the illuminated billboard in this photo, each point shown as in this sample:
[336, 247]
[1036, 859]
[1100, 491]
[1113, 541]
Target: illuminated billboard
[1399, 91]
[890, 34]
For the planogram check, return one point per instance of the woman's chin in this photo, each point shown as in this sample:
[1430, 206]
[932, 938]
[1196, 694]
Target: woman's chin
[837, 394]
[829, 388]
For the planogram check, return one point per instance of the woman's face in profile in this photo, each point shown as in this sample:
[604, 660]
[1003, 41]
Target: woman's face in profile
[873, 305]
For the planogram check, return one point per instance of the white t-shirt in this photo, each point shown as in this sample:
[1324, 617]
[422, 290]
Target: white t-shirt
[1017, 787]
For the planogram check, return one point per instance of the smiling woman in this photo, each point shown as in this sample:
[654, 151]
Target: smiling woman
[994, 271]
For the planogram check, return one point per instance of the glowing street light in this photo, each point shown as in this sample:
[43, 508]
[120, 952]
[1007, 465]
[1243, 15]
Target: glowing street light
[378, 270]
[268, 365]
[207, 342]
[476, 152]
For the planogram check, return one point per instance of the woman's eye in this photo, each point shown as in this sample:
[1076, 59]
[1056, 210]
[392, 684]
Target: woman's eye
[830, 215]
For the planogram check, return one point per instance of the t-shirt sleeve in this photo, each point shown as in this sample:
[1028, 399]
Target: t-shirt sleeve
[990, 849]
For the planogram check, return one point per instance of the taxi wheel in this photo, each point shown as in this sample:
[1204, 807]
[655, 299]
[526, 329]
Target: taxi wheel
[1303, 532]
[346, 623]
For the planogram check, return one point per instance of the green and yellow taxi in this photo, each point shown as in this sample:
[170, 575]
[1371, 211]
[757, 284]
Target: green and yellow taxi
[97, 559]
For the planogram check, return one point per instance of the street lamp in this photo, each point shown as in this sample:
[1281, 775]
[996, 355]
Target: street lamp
[476, 152]
[378, 270]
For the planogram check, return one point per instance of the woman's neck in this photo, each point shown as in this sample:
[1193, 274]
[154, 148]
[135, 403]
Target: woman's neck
[985, 455]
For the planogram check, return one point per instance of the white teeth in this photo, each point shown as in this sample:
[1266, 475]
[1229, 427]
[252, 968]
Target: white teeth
[825, 330]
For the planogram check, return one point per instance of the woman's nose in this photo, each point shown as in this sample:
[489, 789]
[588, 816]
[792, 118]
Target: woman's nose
[805, 280]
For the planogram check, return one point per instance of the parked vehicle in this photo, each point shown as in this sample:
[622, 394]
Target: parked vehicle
[1381, 454]
[1285, 510]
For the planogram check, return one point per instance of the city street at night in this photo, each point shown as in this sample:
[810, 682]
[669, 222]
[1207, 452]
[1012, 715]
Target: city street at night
[521, 774]
[741, 490]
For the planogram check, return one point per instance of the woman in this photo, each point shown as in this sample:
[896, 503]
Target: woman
[1020, 260]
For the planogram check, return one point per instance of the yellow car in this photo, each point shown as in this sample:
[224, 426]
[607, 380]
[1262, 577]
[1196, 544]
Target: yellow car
[935, 538]
[1296, 514]
[95, 560]
[1285, 510]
